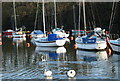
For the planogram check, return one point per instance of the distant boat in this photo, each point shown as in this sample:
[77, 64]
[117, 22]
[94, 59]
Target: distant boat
[8, 32]
[115, 44]
[60, 32]
[18, 32]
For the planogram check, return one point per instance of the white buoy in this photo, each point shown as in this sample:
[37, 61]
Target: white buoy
[48, 73]
[71, 73]
[43, 59]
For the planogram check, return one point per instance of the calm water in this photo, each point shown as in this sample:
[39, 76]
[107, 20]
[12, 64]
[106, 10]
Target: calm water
[23, 62]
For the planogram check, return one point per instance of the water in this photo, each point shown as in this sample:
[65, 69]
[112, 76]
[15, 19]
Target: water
[21, 61]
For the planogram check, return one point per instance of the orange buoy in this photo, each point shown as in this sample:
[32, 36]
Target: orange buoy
[48, 32]
[75, 46]
[30, 36]
[28, 44]
[0, 43]
[71, 38]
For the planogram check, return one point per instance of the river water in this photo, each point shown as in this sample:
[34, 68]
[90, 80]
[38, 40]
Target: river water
[21, 59]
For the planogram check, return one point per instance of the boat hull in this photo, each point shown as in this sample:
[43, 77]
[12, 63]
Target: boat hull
[115, 44]
[51, 43]
[8, 33]
[37, 36]
[92, 47]
[115, 48]
[19, 35]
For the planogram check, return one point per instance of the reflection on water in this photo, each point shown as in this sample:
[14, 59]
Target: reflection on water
[22, 62]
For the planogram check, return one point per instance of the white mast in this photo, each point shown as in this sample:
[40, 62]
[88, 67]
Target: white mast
[36, 15]
[79, 15]
[74, 17]
[84, 16]
[14, 15]
[43, 8]
[55, 14]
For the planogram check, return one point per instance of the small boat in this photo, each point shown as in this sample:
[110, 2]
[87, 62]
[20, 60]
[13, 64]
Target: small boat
[60, 32]
[37, 34]
[8, 32]
[18, 31]
[50, 40]
[115, 44]
[19, 34]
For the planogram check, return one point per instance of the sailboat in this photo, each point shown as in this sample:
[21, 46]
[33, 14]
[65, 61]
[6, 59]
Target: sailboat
[115, 44]
[59, 31]
[51, 39]
[36, 33]
[18, 32]
[93, 40]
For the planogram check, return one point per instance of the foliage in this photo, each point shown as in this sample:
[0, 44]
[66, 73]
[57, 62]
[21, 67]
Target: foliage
[26, 11]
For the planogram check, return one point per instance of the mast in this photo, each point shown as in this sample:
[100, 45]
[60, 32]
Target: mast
[79, 15]
[74, 16]
[55, 14]
[14, 15]
[36, 15]
[43, 8]
[84, 16]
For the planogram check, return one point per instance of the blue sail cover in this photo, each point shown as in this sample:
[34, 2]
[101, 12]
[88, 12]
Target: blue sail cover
[53, 37]
[88, 40]
[38, 32]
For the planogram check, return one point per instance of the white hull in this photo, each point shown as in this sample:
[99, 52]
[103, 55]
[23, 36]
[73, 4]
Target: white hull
[19, 35]
[15, 39]
[51, 43]
[95, 46]
[115, 44]
[37, 36]
[115, 48]
[33, 40]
